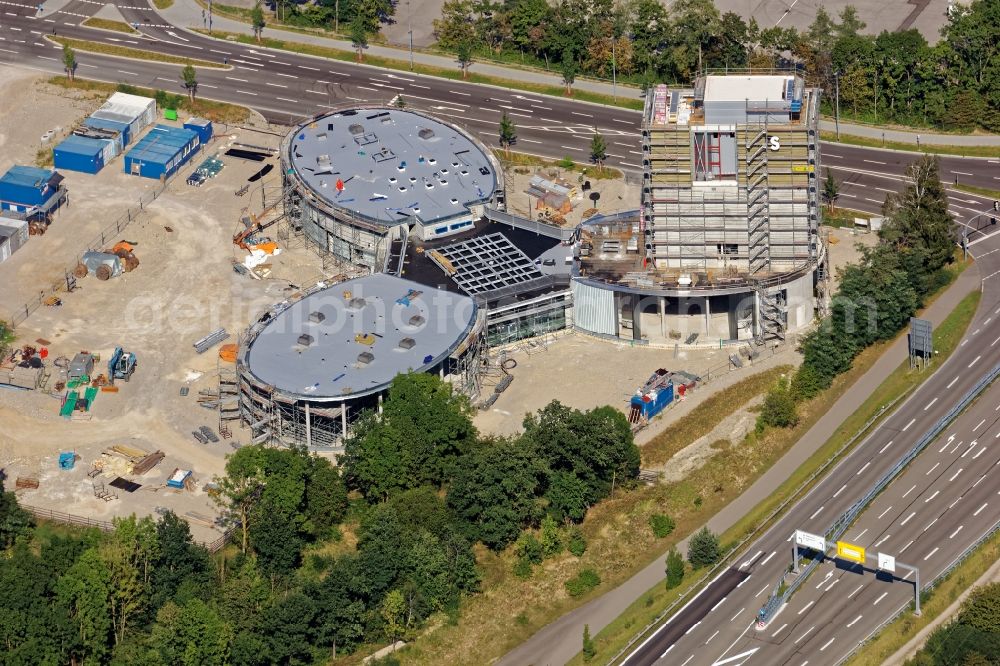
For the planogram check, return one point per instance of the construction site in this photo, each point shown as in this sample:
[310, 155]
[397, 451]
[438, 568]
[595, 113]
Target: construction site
[265, 285]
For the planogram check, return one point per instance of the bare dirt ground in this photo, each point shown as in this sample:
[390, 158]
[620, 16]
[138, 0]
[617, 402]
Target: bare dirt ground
[843, 247]
[615, 194]
[184, 288]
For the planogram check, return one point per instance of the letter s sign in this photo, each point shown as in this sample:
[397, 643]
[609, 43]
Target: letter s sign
[774, 142]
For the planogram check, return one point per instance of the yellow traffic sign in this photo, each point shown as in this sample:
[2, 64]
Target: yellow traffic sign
[849, 551]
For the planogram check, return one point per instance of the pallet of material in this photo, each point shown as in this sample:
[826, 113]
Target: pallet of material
[199, 519]
[148, 462]
[127, 451]
[24, 482]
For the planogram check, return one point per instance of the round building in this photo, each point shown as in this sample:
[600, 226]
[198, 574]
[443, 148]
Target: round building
[358, 179]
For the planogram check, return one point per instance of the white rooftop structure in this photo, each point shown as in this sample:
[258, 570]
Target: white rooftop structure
[353, 338]
[739, 88]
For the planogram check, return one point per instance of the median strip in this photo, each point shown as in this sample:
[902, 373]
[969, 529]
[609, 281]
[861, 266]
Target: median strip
[131, 53]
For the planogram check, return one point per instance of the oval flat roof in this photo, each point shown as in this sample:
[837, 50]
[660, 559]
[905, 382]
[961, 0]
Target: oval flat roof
[390, 165]
[353, 338]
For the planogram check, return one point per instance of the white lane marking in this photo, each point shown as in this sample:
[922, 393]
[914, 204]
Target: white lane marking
[952, 536]
[666, 651]
[768, 558]
[873, 162]
[908, 544]
[979, 510]
[748, 653]
[247, 93]
[808, 631]
[762, 590]
[856, 590]
[572, 148]
[285, 99]
[817, 512]
[910, 490]
[936, 493]
[717, 604]
[974, 361]
[907, 519]
[955, 379]
[995, 341]
[455, 92]
[692, 628]
[929, 525]
[854, 621]
[585, 115]
[314, 69]
[806, 607]
[928, 555]
[875, 603]
[688, 660]
[979, 481]
[750, 561]
[830, 586]
[981, 451]
[930, 404]
[882, 450]
[881, 541]
[274, 85]
[417, 85]
[928, 472]
[827, 644]
[955, 474]
[233, 78]
[845, 485]
[369, 89]
[779, 630]
[316, 92]
[711, 637]
[984, 420]
[829, 574]
[858, 473]
[908, 425]
[861, 534]
[287, 76]
[737, 614]
[742, 582]
[122, 71]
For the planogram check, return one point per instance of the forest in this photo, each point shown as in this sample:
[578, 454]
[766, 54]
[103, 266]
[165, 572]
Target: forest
[971, 638]
[324, 559]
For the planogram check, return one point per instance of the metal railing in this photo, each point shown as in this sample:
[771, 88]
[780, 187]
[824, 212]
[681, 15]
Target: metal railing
[764, 524]
[839, 526]
[107, 526]
[537, 226]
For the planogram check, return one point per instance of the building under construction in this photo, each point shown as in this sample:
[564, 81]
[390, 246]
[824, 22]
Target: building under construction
[726, 243]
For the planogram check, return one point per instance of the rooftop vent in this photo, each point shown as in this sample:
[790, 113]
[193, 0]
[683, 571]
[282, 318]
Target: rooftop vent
[356, 303]
[306, 340]
[364, 358]
[426, 133]
[317, 317]
[417, 320]
[356, 129]
[407, 343]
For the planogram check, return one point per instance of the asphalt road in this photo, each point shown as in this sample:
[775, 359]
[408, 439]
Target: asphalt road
[286, 87]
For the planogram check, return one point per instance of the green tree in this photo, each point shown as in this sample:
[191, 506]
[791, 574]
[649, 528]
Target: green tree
[69, 62]
[703, 549]
[576, 543]
[190, 79]
[422, 433]
[179, 566]
[85, 590]
[325, 497]
[831, 190]
[191, 635]
[598, 150]
[589, 651]
[675, 569]
[917, 219]
[400, 102]
[358, 33]
[257, 20]
[551, 539]
[14, 521]
[241, 487]
[508, 132]
[288, 626]
[982, 609]
[464, 53]
[662, 525]
[393, 613]
[275, 540]
[495, 492]
[778, 410]
[568, 69]
[128, 555]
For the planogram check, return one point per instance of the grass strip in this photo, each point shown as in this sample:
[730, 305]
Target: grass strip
[946, 339]
[108, 24]
[429, 70]
[163, 4]
[220, 112]
[706, 416]
[517, 161]
[924, 147]
[129, 52]
[933, 603]
[981, 191]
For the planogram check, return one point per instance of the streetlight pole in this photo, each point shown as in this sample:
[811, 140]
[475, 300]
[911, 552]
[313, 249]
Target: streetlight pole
[614, 71]
[836, 79]
[409, 32]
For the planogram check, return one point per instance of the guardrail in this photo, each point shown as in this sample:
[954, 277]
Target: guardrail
[765, 523]
[839, 526]
[537, 226]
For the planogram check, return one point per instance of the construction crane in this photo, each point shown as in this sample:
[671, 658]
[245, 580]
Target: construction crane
[253, 225]
[121, 365]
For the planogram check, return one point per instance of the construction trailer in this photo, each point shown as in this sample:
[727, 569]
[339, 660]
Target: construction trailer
[82, 365]
[161, 152]
[200, 126]
[113, 130]
[13, 234]
[84, 154]
[134, 111]
[30, 190]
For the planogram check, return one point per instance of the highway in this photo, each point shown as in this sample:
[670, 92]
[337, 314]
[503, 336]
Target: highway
[716, 627]
[286, 87]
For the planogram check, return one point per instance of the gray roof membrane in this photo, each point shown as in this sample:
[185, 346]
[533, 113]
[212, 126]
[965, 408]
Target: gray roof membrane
[393, 164]
[353, 338]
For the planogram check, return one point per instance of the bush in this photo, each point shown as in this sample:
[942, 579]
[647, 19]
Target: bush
[675, 569]
[779, 408]
[584, 582]
[522, 568]
[662, 525]
[528, 548]
[703, 549]
[808, 383]
[576, 543]
[589, 651]
[551, 540]
[566, 163]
